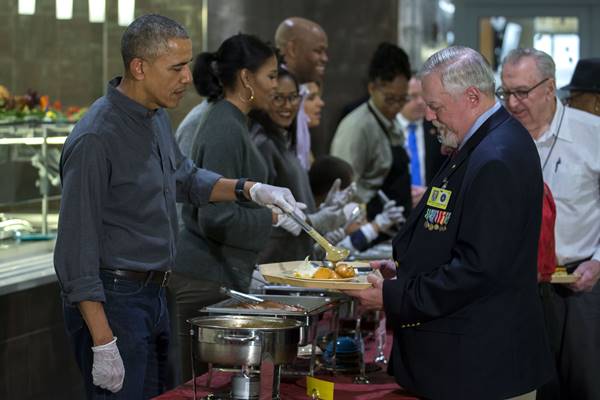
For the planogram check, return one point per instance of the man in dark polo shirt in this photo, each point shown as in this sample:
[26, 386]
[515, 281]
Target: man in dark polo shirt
[122, 173]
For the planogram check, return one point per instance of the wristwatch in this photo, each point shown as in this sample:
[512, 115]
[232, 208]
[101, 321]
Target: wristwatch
[239, 190]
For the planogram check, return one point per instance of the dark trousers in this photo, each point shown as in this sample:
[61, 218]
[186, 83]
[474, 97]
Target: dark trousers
[138, 317]
[186, 297]
[578, 353]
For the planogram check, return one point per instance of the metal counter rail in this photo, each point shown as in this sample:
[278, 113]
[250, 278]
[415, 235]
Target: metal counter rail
[28, 268]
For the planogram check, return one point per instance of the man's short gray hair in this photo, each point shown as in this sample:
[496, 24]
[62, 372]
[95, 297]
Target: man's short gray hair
[460, 68]
[543, 61]
[147, 37]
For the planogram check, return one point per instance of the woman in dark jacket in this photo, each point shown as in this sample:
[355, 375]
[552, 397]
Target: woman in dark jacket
[271, 133]
[219, 243]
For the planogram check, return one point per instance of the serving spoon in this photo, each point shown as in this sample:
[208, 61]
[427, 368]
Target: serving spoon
[332, 253]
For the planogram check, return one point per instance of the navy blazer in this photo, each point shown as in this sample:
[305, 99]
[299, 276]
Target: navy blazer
[465, 309]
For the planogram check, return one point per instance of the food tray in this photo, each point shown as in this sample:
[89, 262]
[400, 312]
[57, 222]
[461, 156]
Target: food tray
[280, 273]
[312, 306]
[564, 278]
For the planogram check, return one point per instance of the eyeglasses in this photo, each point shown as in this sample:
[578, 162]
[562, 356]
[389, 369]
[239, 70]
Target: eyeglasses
[279, 99]
[504, 94]
[392, 100]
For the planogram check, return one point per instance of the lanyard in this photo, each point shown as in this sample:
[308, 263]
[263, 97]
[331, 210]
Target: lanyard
[555, 139]
[379, 122]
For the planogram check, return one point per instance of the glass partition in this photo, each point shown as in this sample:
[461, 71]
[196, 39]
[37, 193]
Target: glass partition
[557, 36]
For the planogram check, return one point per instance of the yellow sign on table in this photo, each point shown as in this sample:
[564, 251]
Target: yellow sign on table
[319, 389]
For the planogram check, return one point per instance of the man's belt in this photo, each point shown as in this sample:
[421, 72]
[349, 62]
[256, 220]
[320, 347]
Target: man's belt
[571, 266]
[158, 277]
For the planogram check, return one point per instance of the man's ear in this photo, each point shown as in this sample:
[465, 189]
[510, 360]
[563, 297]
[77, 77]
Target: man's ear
[371, 88]
[473, 96]
[136, 69]
[552, 88]
[292, 48]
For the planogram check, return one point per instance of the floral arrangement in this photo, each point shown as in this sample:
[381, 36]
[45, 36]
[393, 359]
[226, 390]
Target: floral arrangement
[35, 108]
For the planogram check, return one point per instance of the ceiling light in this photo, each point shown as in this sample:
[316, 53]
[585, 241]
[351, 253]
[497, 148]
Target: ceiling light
[97, 10]
[64, 9]
[26, 7]
[126, 12]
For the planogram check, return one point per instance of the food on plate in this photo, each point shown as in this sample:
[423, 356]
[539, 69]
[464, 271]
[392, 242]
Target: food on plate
[322, 273]
[560, 271]
[307, 270]
[325, 273]
[270, 305]
[345, 270]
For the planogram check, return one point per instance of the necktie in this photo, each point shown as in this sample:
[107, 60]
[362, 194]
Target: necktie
[415, 165]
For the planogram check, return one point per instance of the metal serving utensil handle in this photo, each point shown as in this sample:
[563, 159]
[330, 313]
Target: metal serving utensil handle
[239, 339]
[300, 221]
[234, 294]
[332, 253]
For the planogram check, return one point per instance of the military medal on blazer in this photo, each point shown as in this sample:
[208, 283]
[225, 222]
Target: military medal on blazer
[435, 217]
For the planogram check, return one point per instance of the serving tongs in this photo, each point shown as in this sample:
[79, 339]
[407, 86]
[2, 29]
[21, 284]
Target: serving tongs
[241, 297]
[332, 253]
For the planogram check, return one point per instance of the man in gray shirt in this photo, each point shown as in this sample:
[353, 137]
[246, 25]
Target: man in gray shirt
[121, 175]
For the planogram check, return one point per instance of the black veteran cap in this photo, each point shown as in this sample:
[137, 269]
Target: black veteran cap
[586, 77]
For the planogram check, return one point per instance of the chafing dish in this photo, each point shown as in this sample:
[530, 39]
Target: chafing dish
[313, 307]
[245, 341]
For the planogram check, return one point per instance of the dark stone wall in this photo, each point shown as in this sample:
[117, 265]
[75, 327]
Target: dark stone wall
[354, 29]
[36, 360]
[71, 60]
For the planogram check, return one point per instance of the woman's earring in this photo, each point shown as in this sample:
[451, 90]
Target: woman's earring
[249, 99]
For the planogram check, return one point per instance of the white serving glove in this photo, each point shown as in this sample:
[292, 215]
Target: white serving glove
[327, 219]
[273, 197]
[390, 216]
[339, 198]
[108, 371]
[335, 236]
[286, 222]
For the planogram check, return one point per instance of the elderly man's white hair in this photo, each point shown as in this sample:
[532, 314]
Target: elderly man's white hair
[460, 68]
[543, 61]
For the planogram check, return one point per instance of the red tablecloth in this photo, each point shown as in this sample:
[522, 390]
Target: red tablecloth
[381, 386]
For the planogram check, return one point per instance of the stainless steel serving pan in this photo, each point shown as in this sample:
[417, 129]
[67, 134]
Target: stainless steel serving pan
[237, 340]
[313, 307]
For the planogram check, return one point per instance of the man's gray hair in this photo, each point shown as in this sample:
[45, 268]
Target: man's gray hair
[543, 61]
[460, 68]
[147, 37]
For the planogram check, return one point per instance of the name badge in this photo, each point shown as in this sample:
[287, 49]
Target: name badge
[439, 198]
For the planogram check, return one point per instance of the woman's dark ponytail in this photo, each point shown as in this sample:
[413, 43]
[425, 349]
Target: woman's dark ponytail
[215, 71]
[206, 76]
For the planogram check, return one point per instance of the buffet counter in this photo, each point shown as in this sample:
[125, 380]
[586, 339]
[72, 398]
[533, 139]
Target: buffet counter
[381, 386]
[25, 265]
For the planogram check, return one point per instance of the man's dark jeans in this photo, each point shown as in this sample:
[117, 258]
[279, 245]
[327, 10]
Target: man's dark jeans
[138, 317]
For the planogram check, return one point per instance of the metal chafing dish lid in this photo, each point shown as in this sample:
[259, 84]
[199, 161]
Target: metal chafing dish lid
[245, 322]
